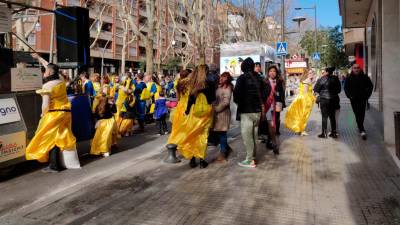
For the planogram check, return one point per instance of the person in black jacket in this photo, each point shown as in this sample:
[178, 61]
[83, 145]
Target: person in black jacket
[328, 88]
[358, 88]
[249, 94]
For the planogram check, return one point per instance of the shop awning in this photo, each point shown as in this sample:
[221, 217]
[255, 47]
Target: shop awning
[295, 70]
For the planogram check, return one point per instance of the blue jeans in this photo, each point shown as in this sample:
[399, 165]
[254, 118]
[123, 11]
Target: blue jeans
[223, 140]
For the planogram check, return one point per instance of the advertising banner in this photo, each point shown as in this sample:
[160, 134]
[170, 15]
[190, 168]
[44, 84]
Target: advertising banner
[232, 64]
[26, 79]
[12, 146]
[8, 111]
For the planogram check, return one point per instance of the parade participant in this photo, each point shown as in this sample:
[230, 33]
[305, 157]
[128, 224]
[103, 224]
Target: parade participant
[106, 128]
[328, 88]
[273, 106]
[249, 94]
[126, 87]
[222, 114]
[114, 85]
[127, 116]
[95, 78]
[161, 113]
[141, 96]
[199, 109]
[106, 86]
[358, 88]
[54, 134]
[300, 110]
[87, 85]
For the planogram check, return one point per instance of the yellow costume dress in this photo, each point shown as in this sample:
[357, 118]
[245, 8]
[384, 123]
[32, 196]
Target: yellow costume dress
[299, 111]
[190, 132]
[126, 123]
[106, 135]
[122, 96]
[54, 127]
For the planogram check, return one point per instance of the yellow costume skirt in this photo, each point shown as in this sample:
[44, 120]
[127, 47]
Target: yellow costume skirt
[54, 129]
[125, 125]
[190, 133]
[105, 136]
[298, 112]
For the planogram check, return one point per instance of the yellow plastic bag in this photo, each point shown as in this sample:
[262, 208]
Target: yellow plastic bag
[201, 107]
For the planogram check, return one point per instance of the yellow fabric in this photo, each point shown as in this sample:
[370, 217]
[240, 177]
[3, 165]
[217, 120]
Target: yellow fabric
[299, 111]
[152, 107]
[122, 96]
[125, 125]
[97, 87]
[201, 107]
[105, 136]
[146, 94]
[189, 132]
[157, 94]
[54, 128]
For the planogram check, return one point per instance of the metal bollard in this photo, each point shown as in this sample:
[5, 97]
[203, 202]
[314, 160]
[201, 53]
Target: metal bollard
[172, 154]
[397, 132]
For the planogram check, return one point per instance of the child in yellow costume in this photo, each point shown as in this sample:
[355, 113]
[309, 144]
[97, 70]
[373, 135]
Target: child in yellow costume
[54, 133]
[106, 127]
[299, 111]
[126, 88]
[127, 117]
[193, 116]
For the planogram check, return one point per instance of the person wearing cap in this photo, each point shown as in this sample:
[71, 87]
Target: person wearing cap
[328, 88]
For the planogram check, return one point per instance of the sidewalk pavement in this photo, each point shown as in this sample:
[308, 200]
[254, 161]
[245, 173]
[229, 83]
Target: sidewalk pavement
[345, 181]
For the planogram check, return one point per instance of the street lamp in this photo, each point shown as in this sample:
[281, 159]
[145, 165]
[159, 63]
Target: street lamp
[315, 23]
[299, 19]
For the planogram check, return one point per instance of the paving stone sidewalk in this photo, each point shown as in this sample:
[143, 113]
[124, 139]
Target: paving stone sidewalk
[324, 182]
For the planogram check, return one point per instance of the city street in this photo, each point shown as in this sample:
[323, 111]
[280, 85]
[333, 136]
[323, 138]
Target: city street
[313, 181]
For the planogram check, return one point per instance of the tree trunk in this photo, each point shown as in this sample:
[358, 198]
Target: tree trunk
[20, 29]
[123, 53]
[201, 44]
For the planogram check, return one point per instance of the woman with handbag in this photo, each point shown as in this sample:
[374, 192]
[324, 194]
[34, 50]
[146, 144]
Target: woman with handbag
[190, 130]
[273, 106]
[300, 110]
[328, 88]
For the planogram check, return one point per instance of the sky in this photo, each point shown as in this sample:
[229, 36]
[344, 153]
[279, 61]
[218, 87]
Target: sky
[327, 11]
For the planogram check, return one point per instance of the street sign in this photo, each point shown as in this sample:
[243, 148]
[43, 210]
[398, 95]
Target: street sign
[281, 48]
[5, 20]
[316, 56]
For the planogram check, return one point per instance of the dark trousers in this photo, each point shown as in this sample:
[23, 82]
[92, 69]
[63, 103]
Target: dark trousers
[162, 124]
[222, 140]
[328, 109]
[359, 107]
[277, 122]
[54, 159]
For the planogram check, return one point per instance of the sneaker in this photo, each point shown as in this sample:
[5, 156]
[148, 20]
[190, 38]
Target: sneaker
[363, 135]
[49, 170]
[323, 135]
[304, 133]
[247, 164]
[106, 154]
[333, 135]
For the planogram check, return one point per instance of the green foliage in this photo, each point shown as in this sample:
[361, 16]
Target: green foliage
[173, 63]
[142, 66]
[330, 45]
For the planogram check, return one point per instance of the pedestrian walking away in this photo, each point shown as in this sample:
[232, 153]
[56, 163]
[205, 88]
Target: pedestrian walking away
[358, 88]
[161, 113]
[328, 88]
[249, 94]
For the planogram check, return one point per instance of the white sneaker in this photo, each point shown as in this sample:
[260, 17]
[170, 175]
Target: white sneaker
[106, 154]
[304, 133]
[363, 135]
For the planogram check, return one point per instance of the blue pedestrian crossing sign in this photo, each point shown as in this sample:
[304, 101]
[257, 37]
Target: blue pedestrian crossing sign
[281, 48]
[316, 56]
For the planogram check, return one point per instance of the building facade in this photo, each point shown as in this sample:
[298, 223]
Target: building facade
[379, 24]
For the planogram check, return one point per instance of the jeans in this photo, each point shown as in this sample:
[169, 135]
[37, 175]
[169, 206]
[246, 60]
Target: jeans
[328, 110]
[249, 129]
[162, 124]
[222, 140]
[359, 107]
